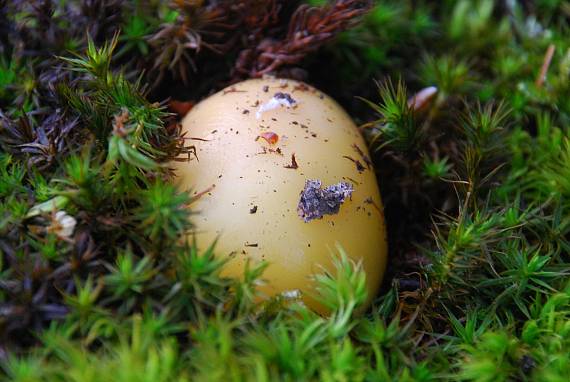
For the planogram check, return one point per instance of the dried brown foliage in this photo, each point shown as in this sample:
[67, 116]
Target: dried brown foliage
[262, 36]
[198, 26]
[309, 28]
[41, 143]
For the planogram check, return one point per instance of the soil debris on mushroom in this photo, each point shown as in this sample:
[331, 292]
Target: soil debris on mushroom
[359, 167]
[294, 165]
[269, 136]
[315, 202]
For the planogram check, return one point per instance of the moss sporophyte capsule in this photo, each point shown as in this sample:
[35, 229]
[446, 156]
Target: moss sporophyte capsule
[288, 178]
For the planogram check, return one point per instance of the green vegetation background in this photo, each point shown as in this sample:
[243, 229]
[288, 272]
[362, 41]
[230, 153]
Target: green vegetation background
[95, 285]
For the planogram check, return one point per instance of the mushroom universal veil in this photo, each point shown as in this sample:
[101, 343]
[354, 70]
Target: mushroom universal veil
[287, 178]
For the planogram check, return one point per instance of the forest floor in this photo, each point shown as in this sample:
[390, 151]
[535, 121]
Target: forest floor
[466, 109]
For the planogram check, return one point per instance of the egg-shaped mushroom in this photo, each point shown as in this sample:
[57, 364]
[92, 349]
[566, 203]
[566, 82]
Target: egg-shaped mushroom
[283, 175]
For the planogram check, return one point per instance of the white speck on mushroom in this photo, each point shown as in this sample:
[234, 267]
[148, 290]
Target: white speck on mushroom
[291, 294]
[279, 99]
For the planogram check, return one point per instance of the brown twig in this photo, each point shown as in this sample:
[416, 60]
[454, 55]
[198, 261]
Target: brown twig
[545, 65]
[201, 193]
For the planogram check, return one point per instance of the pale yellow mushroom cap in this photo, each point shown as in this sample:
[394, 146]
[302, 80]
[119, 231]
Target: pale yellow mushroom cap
[258, 143]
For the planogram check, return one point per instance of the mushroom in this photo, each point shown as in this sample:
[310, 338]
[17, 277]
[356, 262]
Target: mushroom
[287, 177]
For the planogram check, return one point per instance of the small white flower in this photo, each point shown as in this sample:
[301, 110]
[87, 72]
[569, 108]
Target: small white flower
[422, 98]
[63, 225]
[533, 27]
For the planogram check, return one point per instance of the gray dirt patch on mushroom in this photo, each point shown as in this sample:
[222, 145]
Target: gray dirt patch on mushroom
[315, 202]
